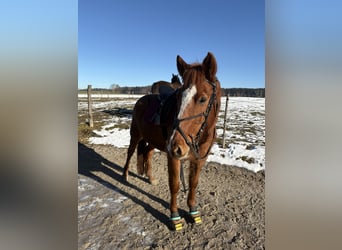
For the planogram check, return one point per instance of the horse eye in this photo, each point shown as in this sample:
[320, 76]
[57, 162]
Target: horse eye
[202, 100]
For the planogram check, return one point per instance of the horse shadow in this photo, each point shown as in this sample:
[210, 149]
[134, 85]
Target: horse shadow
[89, 161]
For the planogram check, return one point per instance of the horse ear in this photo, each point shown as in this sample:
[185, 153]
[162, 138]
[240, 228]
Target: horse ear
[210, 66]
[181, 65]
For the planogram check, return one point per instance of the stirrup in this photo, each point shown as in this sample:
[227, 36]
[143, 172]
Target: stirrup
[177, 223]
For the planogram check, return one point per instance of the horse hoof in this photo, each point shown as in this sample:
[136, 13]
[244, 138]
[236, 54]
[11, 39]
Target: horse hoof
[153, 181]
[178, 226]
[177, 223]
[195, 217]
[197, 220]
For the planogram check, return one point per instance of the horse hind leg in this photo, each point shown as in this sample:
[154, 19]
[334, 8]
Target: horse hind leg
[132, 145]
[141, 157]
[148, 165]
[144, 161]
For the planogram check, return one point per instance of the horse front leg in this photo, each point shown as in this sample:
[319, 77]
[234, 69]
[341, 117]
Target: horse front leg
[174, 170]
[195, 170]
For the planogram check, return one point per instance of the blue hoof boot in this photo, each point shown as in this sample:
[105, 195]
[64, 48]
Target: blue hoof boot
[177, 223]
[195, 216]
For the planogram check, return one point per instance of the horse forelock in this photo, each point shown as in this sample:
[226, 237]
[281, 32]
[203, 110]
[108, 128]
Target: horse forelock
[194, 75]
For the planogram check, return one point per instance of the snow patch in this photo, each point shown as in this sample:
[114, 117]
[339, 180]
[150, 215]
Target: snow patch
[245, 131]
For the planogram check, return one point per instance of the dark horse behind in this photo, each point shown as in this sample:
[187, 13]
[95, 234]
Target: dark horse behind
[165, 88]
[186, 130]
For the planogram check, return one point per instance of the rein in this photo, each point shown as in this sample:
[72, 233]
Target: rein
[194, 143]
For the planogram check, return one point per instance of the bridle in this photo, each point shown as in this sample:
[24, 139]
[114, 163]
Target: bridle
[194, 143]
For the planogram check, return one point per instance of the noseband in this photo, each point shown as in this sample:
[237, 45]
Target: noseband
[194, 143]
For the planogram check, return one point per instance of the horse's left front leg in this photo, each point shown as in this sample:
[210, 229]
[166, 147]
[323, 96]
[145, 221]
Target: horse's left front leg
[195, 170]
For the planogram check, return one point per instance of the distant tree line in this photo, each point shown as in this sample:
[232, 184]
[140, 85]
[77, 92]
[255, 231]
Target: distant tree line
[142, 90]
[245, 92]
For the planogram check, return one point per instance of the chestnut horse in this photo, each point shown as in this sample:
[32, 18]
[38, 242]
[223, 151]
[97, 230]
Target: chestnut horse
[163, 87]
[186, 131]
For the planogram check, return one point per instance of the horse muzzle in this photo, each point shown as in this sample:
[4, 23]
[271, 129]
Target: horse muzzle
[177, 146]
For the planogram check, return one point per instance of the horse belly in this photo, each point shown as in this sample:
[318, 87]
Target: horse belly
[154, 135]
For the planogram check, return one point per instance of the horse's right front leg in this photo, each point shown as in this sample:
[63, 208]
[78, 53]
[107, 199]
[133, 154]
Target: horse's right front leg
[174, 170]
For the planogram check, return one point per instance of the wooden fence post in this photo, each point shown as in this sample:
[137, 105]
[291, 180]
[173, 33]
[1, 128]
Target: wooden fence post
[90, 114]
[225, 123]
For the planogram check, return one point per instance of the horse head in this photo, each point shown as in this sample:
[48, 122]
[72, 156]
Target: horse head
[175, 79]
[198, 103]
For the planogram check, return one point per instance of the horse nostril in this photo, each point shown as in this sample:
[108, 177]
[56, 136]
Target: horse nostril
[177, 151]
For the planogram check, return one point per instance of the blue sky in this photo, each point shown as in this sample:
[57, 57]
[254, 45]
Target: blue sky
[135, 43]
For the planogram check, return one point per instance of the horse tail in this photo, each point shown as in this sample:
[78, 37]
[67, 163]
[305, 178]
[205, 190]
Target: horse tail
[142, 145]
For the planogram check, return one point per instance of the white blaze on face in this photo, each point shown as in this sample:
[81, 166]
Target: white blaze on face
[187, 96]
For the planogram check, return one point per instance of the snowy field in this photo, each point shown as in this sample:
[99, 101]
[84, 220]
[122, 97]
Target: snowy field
[245, 131]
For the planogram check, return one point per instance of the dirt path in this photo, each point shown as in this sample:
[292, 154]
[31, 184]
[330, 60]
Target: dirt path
[116, 215]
